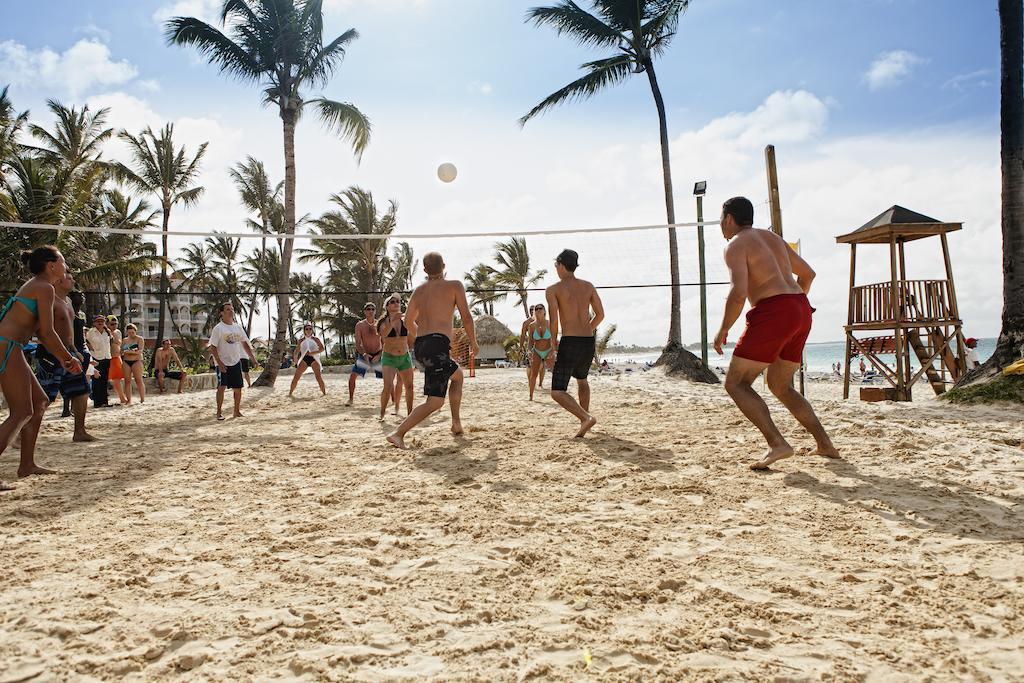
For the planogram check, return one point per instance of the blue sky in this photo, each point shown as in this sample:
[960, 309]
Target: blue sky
[870, 102]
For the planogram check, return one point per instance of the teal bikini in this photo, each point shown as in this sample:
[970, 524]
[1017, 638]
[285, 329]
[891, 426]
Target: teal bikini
[547, 335]
[33, 306]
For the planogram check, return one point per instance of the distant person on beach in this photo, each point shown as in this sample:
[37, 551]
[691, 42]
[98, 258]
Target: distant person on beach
[131, 355]
[973, 360]
[162, 362]
[77, 300]
[228, 342]
[570, 303]
[368, 349]
[27, 312]
[53, 378]
[307, 355]
[863, 366]
[116, 373]
[396, 358]
[761, 267]
[98, 341]
[540, 336]
[429, 318]
[526, 344]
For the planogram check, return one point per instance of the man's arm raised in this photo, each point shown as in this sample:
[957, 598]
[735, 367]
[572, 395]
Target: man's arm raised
[467, 317]
[736, 260]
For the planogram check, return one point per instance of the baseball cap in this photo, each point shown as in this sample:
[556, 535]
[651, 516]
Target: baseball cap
[970, 341]
[568, 258]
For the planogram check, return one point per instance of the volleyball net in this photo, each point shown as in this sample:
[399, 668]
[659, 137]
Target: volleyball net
[629, 265]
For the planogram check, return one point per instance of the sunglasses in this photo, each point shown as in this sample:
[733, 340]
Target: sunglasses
[539, 308]
[393, 302]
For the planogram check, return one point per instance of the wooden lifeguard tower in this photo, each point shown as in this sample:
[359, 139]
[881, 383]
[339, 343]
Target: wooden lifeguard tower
[903, 316]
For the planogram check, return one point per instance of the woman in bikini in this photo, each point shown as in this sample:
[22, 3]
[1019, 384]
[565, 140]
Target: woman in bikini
[540, 335]
[307, 355]
[116, 375]
[396, 359]
[131, 355]
[30, 311]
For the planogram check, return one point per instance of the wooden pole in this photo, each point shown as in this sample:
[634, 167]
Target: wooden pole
[774, 203]
[904, 306]
[897, 313]
[703, 283]
[961, 351]
[849, 321]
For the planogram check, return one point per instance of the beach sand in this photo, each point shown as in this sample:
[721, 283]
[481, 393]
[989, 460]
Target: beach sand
[294, 543]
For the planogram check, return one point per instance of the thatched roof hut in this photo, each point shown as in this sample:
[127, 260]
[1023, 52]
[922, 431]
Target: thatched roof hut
[490, 336]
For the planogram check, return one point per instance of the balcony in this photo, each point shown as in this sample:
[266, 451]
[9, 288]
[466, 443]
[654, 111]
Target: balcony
[920, 303]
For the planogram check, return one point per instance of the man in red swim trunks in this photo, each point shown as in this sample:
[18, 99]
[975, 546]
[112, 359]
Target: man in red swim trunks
[761, 267]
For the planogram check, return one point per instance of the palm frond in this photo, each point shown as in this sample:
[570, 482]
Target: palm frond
[218, 49]
[602, 73]
[346, 121]
[570, 19]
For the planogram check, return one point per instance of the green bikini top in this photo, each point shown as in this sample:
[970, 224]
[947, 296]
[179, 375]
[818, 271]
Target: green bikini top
[31, 304]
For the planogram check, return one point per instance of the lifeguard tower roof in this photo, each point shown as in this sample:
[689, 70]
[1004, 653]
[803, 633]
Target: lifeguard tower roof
[897, 223]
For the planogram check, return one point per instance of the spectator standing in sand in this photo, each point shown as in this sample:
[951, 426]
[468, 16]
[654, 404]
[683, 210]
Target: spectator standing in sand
[228, 343]
[163, 358]
[570, 303]
[429, 318]
[77, 300]
[131, 355]
[761, 267]
[116, 374]
[52, 376]
[368, 349]
[98, 342]
[307, 355]
[526, 344]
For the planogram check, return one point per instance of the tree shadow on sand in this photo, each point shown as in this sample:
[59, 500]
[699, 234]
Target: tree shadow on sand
[920, 504]
[646, 458]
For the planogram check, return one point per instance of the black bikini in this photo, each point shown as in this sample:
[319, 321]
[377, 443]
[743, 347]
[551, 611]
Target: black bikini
[394, 332]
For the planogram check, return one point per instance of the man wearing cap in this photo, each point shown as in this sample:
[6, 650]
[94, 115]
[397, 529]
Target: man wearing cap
[368, 349]
[973, 360]
[569, 309]
[98, 342]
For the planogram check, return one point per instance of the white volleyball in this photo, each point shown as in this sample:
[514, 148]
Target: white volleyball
[447, 172]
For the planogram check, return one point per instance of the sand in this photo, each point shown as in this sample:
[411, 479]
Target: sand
[293, 544]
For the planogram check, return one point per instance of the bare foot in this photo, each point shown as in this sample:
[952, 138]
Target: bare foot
[586, 427]
[4, 486]
[220, 418]
[773, 455]
[237, 414]
[395, 440]
[83, 437]
[380, 418]
[829, 451]
[348, 403]
[395, 411]
[457, 428]
[35, 469]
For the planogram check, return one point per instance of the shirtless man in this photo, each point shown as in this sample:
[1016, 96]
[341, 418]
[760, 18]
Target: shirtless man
[164, 356]
[429, 319]
[53, 378]
[761, 267]
[526, 344]
[569, 305]
[368, 349]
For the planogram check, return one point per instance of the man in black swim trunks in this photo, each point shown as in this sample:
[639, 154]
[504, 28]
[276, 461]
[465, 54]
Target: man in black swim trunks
[53, 378]
[429, 317]
[569, 310]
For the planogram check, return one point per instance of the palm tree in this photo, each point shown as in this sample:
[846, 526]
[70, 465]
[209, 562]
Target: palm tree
[482, 288]
[1011, 43]
[604, 337]
[77, 139]
[11, 124]
[168, 173]
[261, 197]
[513, 270]
[279, 44]
[638, 31]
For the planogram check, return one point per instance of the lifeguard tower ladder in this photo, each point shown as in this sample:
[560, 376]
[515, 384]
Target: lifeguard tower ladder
[902, 316]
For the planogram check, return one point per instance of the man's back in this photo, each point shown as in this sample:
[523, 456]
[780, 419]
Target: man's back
[770, 264]
[574, 298]
[435, 304]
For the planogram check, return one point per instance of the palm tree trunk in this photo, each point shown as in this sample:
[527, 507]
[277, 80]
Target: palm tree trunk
[259, 272]
[674, 326]
[269, 375]
[1011, 43]
[163, 285]
[674, 355]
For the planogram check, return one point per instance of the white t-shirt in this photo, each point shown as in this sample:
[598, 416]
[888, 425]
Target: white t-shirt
[972, 358]
[228, 340]
[99, 343]
[308, 346]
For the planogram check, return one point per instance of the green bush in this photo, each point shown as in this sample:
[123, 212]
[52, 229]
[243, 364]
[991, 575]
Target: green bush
[1002, 388]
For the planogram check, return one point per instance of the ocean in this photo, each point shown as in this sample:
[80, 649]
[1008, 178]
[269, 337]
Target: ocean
[820, 357]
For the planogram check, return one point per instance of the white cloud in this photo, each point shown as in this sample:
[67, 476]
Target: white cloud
[387, 5]
[207, 10]
[80, 68]
[891, 68]
[480, 88]
[974, 79]
[149, 85]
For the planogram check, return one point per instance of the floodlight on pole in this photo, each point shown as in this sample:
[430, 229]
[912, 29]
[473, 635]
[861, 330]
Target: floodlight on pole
[699, 190]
